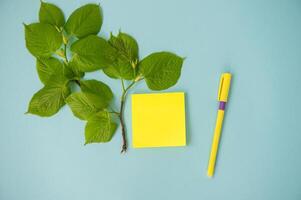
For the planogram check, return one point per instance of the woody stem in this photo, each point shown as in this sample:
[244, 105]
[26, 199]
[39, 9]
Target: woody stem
[121, 112]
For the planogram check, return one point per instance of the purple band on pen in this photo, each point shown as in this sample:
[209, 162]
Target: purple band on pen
[222, 105]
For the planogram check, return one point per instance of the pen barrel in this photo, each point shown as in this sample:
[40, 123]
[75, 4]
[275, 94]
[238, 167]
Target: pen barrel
[216, 138]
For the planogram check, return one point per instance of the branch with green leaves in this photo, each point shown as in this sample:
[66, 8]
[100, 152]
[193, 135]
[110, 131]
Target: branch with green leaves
[66, 50]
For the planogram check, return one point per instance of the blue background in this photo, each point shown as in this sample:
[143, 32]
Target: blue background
[258, 41]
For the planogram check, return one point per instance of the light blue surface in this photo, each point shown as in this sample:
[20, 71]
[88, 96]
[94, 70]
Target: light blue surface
[258, 41]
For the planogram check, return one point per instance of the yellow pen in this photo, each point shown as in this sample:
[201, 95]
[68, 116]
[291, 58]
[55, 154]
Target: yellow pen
[223, 92]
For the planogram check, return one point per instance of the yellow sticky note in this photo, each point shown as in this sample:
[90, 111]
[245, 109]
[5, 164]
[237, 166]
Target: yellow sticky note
[158, 120]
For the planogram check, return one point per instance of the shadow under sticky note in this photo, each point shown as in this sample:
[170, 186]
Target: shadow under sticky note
[158, 120]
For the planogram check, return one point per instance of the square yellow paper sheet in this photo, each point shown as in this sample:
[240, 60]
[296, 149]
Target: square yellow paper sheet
[158, 120]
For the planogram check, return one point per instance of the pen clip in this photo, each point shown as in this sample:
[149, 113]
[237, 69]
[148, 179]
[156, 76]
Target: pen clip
[224, 87]
[220, 88]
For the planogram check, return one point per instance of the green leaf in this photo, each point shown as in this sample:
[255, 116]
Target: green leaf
[42, 40]
[48, 101]
[92, 53]
[95, 96]
[51, 14]
[81, 105]
[126, 46]
[99, 128]
[161, 70]
[47, 67]
[72, 71]
[58, 79]
[124, 66]
[98, 88]
[84, 21]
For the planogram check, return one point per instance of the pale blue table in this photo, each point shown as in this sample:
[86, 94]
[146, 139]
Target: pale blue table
[258, 41]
